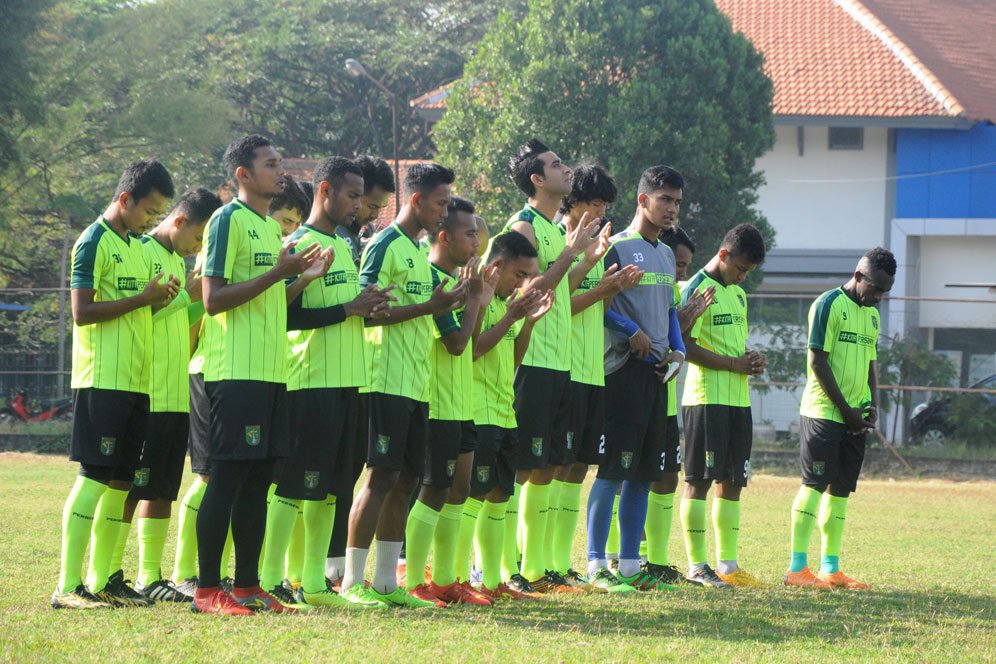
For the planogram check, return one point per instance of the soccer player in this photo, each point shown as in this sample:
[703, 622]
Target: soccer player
[542, 381]
[716, 409]
[378, 185]
[112, 302]
[327, 368]
[245, 372]
[643, 341]
[399, 384]
[839, 405]
[592, 191]
[290, 207]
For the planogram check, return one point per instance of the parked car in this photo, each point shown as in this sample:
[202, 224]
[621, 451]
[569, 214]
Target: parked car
[931, 424]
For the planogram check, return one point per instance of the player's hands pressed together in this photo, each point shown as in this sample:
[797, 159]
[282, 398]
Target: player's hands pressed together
[857, 419]
[616, 281]
[319, 267]
[542, 306]
[699, 302]
[583, 235]
[372, 302]
[472, 275]
[489, 281]
[751, 363]
[520, 303]
[159, 291]
[639, 343]
[597, 249]
[194, 289]
[292, 264]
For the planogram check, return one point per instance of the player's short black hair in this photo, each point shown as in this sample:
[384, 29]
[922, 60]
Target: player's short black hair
[425, 176]
[333, 170]
[882, 259]
[457, 205]
[744, 240]
[526, 163]
[309, 191]
[241, 152]
[141, 177]
[589, 182]
[460, 204]
[292, 196]
[197, 205]
[511, 245]
[376, 173]
[675, 237]
[658, 177]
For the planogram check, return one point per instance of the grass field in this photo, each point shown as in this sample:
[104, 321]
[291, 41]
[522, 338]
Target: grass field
[926, 547]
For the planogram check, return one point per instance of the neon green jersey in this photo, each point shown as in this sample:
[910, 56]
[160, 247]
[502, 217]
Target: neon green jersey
[588, 332]
[494, 372]
[550, 346]
[848, 332]
[451, 385]
[331, 356]
[672, 385]
[248, 342]
[399, 354]
[723, 330]
[170, 391]
[114, 354]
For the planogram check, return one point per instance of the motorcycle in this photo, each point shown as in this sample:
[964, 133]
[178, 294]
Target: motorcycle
[19, 410]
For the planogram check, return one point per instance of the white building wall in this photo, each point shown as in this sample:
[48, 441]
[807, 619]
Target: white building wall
[950, 260]
[805, 200]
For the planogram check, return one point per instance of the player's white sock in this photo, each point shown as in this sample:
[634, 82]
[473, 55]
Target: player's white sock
[356, 561]
[629, 567]
[727, 566]
[386, 570]
[335, 567]
[595, 565]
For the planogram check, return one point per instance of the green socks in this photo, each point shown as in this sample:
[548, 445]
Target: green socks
[660, 513]
[552, 512]
[465, 539]
[77, 522]
[489, 538]
[226, 553]
[317, 519]
[151, 542]
[444, 544]
[693, 522]
[803, 521]
[185, 566]
[509, 547]
[612, 543]
[280, 518]
[726, 523]
[566, 525]
[533, 510]
[832, 513]
[104, 537]
[117, 559]
[295, 551]
[419, 533]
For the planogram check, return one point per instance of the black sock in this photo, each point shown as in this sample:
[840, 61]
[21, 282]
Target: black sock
[213, 517]
[249, 523]
[340, 527]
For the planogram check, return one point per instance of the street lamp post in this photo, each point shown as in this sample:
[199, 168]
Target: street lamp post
[356, 68]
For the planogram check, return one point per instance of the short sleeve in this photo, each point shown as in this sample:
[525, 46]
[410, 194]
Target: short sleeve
[876, 323]
[376, 266]
[221, 247]
[822, 325]
[611, 258]
[447, 323]
[86, 268]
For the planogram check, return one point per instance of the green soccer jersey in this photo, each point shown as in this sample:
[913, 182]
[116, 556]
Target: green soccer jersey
[114, 354]
[248, 342]
[550, 347]
[399, 354]
[331, 356]
[494, 372]
[170, 392]
[848, 332]
[588, 333]
[672, 386]
[723, 330]
[450, 388]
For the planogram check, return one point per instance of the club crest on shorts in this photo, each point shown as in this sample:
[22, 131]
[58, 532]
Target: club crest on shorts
[107, 445]
[819, 467]
[311, 479]
[570, 440]
[537, 447]
[253, 435]
[383, 443]
[450, 467]
[710, 459]
[483, 473]
[141, 477]
[626, 460]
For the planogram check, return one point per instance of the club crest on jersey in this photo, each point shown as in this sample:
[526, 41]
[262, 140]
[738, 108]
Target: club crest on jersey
[710, 459]
[875, 322]
[626, 460]
[311, 479]
[743, 302]
[570, 440]
[141, 477]
[537, 447]
[450, 467]
[819, 467]
[107, 445]
[253, 435]
[483, 473]
[383, 443]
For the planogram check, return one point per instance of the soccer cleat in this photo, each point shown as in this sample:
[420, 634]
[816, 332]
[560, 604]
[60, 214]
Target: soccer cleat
[841, 580]
[329, 598]
[706, 578]
[643, 581]
[80, 598]
[402, 574]
[424, 593]
[163, 590]
[504, 592]
[659, 574]
[520, 585]
[578, 580]
[608, 582]
[217, 600]
[669, 574]
[459, 593]
[334, 584]
[119, 593]
[614, 565]
[227, 583]
[552, 582]
[257, 599]
[742, 578]
[401, 597]
[187, 586]
[805, 579]
[361, 594]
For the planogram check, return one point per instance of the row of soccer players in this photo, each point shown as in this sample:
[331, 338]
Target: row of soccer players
[518, 447]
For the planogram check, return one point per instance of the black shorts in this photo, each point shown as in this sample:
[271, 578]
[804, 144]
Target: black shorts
[398, 430]
[248, 420]
[635, 424]
[586, 433]
[323, 428]
[718, 441]
[542, 398]
[199, 439]
[830, 454]
[494, 460]
[447, 440]
[160, 470]
[109, 429]
[672, 444]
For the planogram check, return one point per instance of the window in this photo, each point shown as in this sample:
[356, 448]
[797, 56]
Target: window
[847, 138]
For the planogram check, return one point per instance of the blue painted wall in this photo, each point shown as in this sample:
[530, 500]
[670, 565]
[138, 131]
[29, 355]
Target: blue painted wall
[970, 194]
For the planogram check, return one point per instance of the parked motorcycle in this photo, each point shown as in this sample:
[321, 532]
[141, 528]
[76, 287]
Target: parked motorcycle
[19, 409]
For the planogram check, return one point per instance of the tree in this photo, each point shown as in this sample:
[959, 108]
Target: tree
[627, 83]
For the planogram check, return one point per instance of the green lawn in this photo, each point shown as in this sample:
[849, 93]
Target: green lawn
[925, 546]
